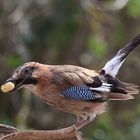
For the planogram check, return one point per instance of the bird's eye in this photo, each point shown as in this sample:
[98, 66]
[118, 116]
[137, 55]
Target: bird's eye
[27, 71]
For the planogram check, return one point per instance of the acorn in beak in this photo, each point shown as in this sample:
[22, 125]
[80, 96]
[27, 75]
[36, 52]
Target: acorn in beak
[7, 87]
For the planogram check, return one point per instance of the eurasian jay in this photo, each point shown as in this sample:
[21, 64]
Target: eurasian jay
[75, 89]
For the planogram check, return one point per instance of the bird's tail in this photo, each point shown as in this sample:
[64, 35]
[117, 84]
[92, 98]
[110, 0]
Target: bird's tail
[124, 93]
[114, 89]
[112, 66]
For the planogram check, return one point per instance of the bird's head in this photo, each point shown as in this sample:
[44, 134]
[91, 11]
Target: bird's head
[26, 75]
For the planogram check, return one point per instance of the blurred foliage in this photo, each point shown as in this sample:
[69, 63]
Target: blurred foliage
[97, 46]
[133, 9]
[82, 32]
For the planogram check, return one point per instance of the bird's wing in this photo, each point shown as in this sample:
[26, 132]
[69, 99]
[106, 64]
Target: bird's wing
[75, 75]
[83, 93]
[84, 84]
[112, 66]
[87, 85]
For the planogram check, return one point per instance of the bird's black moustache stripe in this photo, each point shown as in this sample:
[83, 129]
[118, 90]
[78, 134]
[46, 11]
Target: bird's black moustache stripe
[30, 80]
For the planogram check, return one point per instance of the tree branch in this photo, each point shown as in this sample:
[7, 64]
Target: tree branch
[11, 133]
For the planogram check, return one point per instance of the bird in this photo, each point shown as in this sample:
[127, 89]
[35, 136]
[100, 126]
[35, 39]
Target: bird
[75, 89]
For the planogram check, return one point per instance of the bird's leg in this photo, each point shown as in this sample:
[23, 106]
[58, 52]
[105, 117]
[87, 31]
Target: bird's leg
[86, 119]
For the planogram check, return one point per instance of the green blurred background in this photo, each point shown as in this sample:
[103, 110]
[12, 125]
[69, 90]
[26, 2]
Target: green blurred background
[79, 32]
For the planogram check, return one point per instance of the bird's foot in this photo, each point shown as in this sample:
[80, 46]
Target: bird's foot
[86, 119]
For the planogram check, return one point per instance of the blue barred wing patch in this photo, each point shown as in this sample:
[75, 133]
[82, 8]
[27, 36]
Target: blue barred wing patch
[83, 93]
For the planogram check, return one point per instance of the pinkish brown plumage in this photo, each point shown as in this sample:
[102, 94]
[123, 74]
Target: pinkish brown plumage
[75, 89]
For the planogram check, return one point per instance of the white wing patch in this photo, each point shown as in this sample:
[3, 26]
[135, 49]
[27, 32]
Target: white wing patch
[104, 88]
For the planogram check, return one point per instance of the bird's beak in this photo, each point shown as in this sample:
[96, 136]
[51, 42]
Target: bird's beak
[11, 85]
